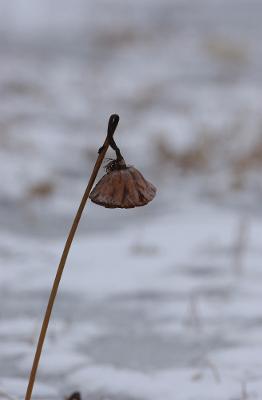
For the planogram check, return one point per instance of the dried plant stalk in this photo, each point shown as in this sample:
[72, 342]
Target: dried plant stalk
[112, 124]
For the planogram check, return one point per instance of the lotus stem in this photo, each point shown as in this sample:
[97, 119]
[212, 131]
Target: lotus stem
[112, 124]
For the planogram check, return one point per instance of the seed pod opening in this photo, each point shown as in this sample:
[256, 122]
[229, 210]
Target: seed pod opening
[122, 187]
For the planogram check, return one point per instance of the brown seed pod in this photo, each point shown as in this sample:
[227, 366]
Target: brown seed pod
[122, 187]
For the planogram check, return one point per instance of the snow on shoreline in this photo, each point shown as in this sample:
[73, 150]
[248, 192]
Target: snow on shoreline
[165, 279]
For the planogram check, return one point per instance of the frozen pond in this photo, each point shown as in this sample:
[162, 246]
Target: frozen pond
[162, 302]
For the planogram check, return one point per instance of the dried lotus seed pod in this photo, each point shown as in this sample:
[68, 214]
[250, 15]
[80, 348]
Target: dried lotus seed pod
[122, 187]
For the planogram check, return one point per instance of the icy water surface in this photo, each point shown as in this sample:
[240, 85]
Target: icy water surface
[162, 302]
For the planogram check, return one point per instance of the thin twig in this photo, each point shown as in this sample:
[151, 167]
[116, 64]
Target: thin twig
[244, 394]
[241, 244]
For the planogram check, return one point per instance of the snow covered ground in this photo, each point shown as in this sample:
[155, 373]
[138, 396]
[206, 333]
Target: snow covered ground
[162, 302]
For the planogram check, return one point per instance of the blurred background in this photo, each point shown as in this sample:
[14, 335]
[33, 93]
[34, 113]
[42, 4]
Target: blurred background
[158, 302]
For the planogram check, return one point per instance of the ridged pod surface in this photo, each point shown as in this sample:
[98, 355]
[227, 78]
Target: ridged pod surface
[123, 188]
